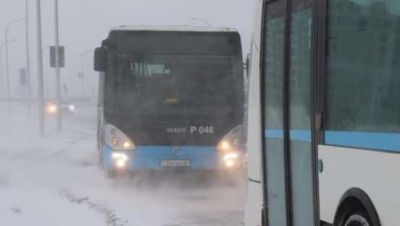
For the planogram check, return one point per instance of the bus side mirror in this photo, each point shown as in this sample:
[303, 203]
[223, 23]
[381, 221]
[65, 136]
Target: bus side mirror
[100, 59]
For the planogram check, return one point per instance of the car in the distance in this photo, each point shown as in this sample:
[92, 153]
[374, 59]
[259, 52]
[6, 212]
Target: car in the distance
[65, 106]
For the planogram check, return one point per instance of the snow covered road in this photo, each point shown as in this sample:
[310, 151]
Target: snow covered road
[56, 181]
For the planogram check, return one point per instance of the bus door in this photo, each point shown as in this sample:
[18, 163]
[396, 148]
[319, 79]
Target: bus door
[289, 165]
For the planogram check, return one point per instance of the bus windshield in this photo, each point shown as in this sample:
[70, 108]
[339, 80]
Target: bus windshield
[160, 81]
[172, 84]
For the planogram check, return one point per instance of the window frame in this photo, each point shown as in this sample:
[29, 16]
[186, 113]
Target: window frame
[288, 194]
[317, 50]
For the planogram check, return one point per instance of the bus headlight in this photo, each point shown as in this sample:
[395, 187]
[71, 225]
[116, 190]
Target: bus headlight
[120, 159]
[127, 144]
[230, 160]
[120, 163]
[233, 141]
[119, 156]
[229, 163]
[117, 140]
[224, 146]
[231, 147]
[231, 156]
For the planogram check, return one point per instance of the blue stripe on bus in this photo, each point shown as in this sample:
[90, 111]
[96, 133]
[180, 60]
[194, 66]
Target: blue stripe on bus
[297, 135]
[381, 141]
[272, 133]
[300, 135]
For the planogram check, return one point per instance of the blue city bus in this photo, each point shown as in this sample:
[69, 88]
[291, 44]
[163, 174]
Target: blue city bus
[170, 98]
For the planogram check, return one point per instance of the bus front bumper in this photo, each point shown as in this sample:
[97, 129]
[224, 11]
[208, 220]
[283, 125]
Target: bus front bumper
[169, 158]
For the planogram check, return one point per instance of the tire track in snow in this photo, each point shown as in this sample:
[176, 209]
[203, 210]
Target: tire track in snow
[109, 215]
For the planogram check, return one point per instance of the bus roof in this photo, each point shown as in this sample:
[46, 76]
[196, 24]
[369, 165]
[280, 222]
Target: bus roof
[172, 28]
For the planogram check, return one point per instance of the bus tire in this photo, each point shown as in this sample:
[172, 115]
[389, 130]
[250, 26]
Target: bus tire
[357, 219]
[356, 209]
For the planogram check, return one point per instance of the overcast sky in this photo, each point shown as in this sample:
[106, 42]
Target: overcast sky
[84, 23]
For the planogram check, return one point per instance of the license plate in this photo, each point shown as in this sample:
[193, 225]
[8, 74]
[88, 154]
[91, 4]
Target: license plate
[175, 163]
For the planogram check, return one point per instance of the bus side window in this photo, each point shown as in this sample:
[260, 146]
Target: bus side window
[363, 70]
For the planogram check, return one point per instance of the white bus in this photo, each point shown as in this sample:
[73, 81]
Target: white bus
[324, 114]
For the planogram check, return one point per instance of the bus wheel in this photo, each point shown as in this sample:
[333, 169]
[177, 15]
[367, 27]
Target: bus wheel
[358, 219]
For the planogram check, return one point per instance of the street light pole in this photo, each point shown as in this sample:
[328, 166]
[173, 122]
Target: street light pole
[1, 72]
[2, 69]
[58, 77]
[45, 70]
[40, 69]
[1, 82]
[83, 55]
[28, 68]
[7, 60]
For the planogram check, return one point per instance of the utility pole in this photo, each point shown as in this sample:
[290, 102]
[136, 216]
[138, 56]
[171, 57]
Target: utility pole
[28, 68]
[1, 72]
[58, 79]
[83, 85]
[7, 67]
[83, 74]
[2, 69]
[1, 80]
[7, 60]
[40, 69]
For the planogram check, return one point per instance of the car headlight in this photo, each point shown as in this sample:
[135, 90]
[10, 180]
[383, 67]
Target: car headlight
[52, 108]
[116, 139]
[71, 107]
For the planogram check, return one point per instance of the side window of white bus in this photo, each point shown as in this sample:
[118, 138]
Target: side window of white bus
[363, 66]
